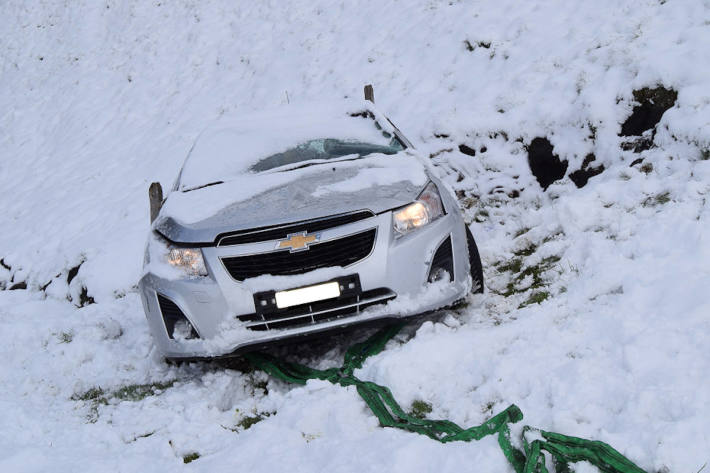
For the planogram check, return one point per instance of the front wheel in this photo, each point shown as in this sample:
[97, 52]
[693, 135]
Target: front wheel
[474, 260]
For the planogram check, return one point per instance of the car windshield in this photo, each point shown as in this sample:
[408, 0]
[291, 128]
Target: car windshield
[323, 150]
[284, 139]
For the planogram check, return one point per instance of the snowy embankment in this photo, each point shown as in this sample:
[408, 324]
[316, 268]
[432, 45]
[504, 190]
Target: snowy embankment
[595, 321]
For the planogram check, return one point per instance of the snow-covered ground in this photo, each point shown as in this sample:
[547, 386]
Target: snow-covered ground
[596, 322]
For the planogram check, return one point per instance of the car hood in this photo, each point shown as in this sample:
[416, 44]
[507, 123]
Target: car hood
[376, 183]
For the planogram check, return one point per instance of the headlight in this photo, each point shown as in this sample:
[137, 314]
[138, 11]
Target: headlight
[188, 259]
[170, 261]
[423, 211]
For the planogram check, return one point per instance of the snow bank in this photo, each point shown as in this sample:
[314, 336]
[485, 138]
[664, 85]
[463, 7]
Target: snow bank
[595, 322]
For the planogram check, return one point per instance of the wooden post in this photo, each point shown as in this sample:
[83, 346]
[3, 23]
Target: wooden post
[155, 194]
[369, 93]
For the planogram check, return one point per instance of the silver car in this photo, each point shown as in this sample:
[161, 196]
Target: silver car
[297, 223]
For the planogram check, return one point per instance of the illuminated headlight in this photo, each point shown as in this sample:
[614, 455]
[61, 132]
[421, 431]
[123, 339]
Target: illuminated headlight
[423, 211]
[188, 259]
[172, 262]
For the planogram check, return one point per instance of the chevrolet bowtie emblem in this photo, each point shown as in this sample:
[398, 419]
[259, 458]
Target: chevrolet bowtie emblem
[298, 241]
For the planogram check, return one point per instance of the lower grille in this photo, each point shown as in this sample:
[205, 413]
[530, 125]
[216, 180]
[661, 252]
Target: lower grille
[347, 305]
[340, 252]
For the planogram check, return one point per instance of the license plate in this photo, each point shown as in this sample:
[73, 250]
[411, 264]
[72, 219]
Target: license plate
[304, 295]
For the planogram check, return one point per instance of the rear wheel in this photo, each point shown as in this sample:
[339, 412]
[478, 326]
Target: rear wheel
[474, 260]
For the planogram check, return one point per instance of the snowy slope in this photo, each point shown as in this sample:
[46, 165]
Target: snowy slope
[101, 98]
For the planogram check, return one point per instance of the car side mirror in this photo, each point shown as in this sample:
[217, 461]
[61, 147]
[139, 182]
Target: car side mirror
[155, 195]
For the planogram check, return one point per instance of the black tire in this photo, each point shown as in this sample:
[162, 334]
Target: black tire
[474, 260]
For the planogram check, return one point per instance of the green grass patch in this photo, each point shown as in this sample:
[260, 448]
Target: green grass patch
[521, 232]
[535, 298]
[527, 251]
[190, 457]
[470, 202]
[514, 265]
[138, 392]
[309, 437]
[552, 236]
[247, 422]
[65, 337]
[420, 409]
[549, 261]
[93, 394]
[258, 384]
[481, 216]
[488, 407]
[520, 272]
[663, 198]
[96, 396]
[143, 436]
[658, 199]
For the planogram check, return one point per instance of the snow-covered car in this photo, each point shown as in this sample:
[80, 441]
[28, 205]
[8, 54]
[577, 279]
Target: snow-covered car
[299, 222]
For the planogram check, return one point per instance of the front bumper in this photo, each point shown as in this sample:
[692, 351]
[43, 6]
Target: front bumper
[225, 315]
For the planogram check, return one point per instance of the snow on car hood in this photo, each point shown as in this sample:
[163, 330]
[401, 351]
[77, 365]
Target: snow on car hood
[376, 182]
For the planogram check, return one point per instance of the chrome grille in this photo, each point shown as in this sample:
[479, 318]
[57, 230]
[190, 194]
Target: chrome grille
[277, 232]
[339, 252]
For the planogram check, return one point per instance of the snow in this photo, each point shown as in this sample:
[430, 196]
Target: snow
[102, 98]
[368, 171]
[381, 171]
[232, 146]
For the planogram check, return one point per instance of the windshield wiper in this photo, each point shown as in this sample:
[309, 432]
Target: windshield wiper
[315, 162]
[362, 149]
[190, 189]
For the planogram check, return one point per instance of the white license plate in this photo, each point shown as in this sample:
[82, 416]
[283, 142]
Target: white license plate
[304, 295]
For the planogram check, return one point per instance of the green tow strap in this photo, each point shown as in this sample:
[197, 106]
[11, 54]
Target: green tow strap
[563, 449]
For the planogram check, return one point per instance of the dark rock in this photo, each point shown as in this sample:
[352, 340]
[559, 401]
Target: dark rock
[84, 297]
[652, 104]
[467, 150]
[19, 285]
[637, 144]
[544, 164]
[581, 176]
[73, 272]
[646, 168]
[479, 44]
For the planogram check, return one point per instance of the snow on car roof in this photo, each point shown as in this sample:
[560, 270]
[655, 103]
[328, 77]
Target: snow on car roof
[230, 147]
